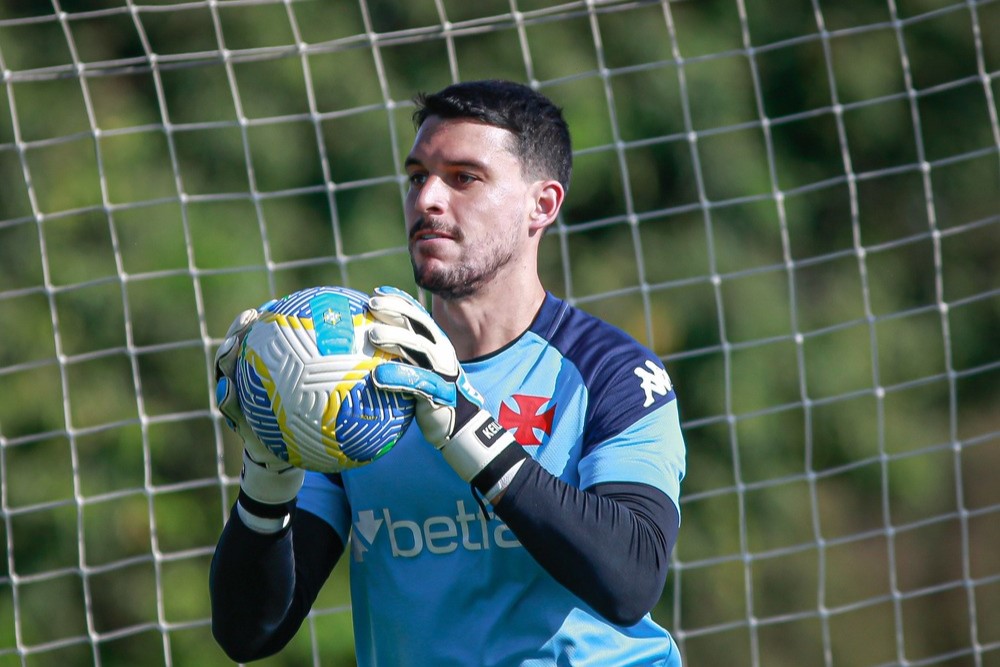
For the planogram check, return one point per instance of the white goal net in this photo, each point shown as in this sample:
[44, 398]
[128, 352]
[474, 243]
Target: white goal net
[796, 204]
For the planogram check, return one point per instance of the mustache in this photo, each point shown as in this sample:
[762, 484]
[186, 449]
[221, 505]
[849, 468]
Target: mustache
[432, 226]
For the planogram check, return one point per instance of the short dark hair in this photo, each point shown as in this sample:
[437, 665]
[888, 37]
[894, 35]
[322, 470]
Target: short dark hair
[542, 137]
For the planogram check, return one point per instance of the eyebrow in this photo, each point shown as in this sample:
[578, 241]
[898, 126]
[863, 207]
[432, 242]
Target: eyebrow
[451, 164]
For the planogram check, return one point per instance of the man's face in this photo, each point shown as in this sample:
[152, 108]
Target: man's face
[467, 206]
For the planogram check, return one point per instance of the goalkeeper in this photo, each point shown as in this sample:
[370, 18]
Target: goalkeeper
[530, 519]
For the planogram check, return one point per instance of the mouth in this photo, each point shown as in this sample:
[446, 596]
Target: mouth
[424, 231]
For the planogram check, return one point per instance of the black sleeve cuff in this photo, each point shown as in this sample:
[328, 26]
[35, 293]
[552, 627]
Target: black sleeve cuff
[265, 510]
[487, 478]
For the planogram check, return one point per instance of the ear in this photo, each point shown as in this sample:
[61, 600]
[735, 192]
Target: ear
[547, 198]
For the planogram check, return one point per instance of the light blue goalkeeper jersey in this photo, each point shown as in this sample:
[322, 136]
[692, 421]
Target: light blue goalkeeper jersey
[433, 583]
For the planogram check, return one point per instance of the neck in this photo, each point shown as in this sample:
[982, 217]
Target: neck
[491, 318]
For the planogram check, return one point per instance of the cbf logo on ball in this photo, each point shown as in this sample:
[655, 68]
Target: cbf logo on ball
[303, 380]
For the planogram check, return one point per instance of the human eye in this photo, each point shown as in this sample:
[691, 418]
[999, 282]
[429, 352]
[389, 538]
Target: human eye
[465, 178]
[417, 178]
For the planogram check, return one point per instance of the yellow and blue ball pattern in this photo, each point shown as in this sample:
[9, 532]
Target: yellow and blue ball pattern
[303, 381]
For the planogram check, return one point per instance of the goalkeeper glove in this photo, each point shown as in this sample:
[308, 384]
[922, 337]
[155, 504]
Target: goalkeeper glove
[268, 485]
[449, 410]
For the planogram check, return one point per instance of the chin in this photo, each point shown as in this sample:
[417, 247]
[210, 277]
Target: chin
[445, 286]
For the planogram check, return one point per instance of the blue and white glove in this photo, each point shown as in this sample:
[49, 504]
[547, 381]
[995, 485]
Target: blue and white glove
[268, 485]
[449, 410]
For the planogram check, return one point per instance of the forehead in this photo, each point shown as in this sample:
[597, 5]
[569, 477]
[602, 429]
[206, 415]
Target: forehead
[449, 140]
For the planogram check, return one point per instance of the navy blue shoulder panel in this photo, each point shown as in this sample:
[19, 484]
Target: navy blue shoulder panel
[624, 379]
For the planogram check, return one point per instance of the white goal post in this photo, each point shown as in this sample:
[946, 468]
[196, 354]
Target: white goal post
[795, 204]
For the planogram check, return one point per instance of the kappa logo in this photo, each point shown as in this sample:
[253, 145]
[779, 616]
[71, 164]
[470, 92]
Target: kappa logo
[523, 422]
[653, 381]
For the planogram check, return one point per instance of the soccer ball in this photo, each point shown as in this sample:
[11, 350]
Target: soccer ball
[303, 381]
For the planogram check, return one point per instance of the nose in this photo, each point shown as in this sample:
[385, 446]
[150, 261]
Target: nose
[431, 197]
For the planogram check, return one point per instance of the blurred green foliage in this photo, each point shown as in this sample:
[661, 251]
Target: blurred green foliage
[823, 286]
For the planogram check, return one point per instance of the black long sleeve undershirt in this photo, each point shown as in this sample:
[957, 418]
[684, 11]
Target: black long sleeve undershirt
[262, 586]
[609, 545]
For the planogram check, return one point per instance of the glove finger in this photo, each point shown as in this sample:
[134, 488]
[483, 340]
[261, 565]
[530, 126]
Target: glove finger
[391, 318]
[403, 342]
[226, 355]
[393, 376]
[229, 405]
[395, 309]
[391, 309]
[389, 290]
[242, 322]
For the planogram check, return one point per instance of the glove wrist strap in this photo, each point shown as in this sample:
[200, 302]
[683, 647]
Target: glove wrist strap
[259, 524]
[482, 452]
[267, 486]
[501, 484]
[263, 517]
